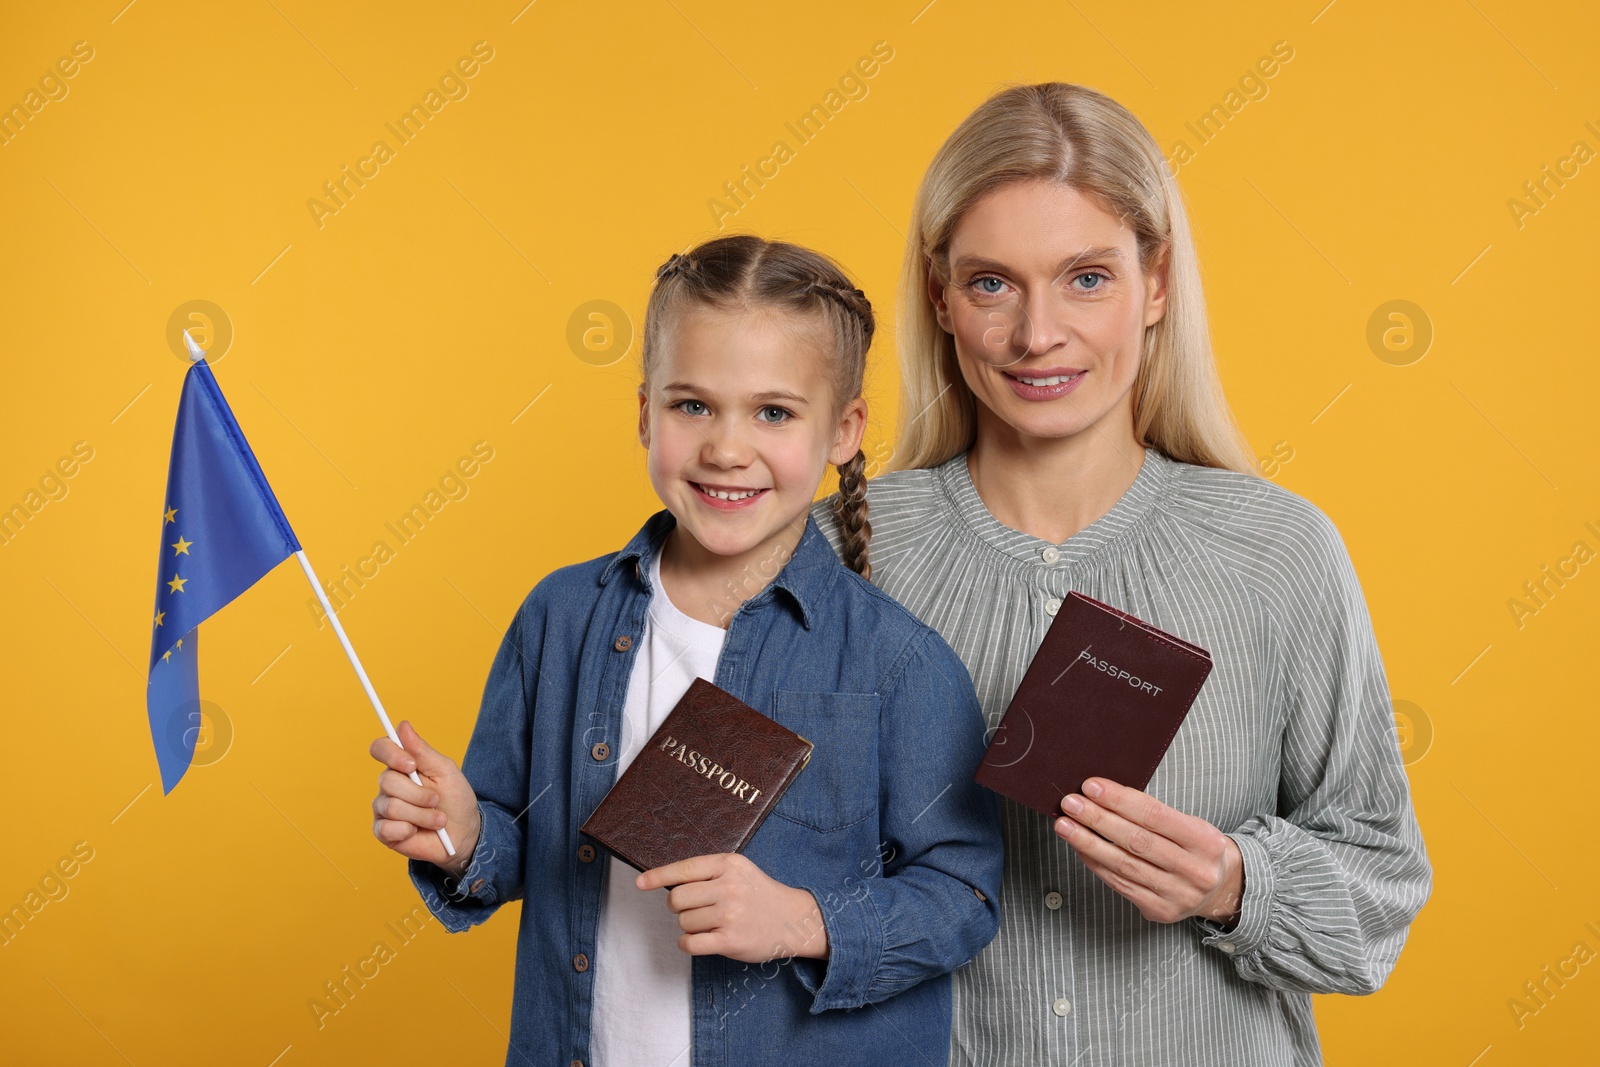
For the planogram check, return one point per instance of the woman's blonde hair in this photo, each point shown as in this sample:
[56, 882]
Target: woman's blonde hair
[1074, 135]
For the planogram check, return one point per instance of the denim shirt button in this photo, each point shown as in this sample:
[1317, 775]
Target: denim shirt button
[477, 885]
[580, 963]
[600, 751]
[586, 853]
[980, 893]
[623, 643]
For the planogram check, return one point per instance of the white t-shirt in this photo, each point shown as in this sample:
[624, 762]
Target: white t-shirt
[641, 978]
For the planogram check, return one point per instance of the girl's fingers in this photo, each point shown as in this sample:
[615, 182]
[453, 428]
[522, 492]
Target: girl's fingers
[699, 920]
[397, 810]
[430, 761]
[409, 841]
[689, 895]
[392, 833]
[706, 944]
[693, 869]
[396, 784]
[392, 755]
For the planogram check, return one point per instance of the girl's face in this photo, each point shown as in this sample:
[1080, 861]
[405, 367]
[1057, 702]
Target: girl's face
[1048, 307]
[739, 423]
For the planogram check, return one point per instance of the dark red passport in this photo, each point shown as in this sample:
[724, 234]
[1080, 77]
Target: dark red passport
[1102, 698]
[702, 784]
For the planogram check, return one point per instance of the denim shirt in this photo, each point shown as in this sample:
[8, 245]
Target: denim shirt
[884, 827]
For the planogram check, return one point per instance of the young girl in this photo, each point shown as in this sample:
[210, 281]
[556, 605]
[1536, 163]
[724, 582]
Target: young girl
[878, 870]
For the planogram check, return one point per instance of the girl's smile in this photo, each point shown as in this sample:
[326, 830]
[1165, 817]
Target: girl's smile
[727, 497]
[740, 422]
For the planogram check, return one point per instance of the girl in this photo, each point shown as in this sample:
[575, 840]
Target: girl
[877, 872]
[1065, 429]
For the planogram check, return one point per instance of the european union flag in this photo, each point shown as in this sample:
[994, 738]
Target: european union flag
[221, 531]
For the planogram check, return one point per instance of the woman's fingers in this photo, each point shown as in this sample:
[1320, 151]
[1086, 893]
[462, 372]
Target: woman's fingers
[1151, 905]
[1136, 840]
[1096, 851]
[1142, 809]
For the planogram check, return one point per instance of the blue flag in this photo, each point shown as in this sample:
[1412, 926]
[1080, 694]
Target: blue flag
[221, 531]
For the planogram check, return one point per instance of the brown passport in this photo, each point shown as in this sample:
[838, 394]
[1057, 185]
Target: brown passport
[702, 784]
[1102, 698]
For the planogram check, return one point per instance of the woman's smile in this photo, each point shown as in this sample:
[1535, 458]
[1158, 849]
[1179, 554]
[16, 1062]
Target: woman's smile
[1049, 384]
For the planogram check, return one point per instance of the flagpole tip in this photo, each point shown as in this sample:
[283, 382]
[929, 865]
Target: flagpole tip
[196, 353]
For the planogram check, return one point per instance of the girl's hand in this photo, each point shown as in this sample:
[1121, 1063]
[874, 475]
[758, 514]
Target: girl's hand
[1170, 865]
[728, 906]
[407, 814]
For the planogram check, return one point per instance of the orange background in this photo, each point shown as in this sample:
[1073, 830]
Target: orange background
[432, 311]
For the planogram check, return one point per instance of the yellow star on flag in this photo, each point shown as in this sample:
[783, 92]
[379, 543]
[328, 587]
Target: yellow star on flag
[179, 644]
[182, 546]
[167, 654]
[172, 515]
[159, 616]
[176, 585]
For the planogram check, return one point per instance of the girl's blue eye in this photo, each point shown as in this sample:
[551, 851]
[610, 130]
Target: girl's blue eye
[781, 414]
[685, 405]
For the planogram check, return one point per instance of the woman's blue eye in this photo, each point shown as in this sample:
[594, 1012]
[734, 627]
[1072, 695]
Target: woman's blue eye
[778, 414]
[1091, 274]
[981, 284]
[685, 405]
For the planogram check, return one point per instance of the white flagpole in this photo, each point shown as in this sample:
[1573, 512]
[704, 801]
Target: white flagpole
[197, 353]
[366, 683]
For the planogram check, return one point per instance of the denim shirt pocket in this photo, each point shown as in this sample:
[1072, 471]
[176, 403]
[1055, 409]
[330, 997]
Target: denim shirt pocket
[839, 787]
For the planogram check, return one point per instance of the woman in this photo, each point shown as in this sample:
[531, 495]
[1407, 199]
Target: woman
[1063, 427]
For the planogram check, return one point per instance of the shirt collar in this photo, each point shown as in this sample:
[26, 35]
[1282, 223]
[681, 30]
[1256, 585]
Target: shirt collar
[804, 578]
[1156, 477]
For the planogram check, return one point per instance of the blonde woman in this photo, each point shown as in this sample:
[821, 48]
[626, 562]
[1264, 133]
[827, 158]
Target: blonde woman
[1063, 427]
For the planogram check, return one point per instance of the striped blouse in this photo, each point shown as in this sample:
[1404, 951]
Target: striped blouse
[1290, 748]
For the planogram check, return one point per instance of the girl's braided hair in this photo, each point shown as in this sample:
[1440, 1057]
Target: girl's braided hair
[741, 271]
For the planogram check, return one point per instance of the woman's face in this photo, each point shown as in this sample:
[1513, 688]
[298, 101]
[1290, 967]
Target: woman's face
[1048, 307]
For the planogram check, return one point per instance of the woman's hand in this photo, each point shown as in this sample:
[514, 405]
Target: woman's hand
[1170, 865]
[407, 814]
[728, 906]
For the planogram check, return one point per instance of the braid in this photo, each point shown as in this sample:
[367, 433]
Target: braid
[851, 510]
[853, 300]
[676, 264]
